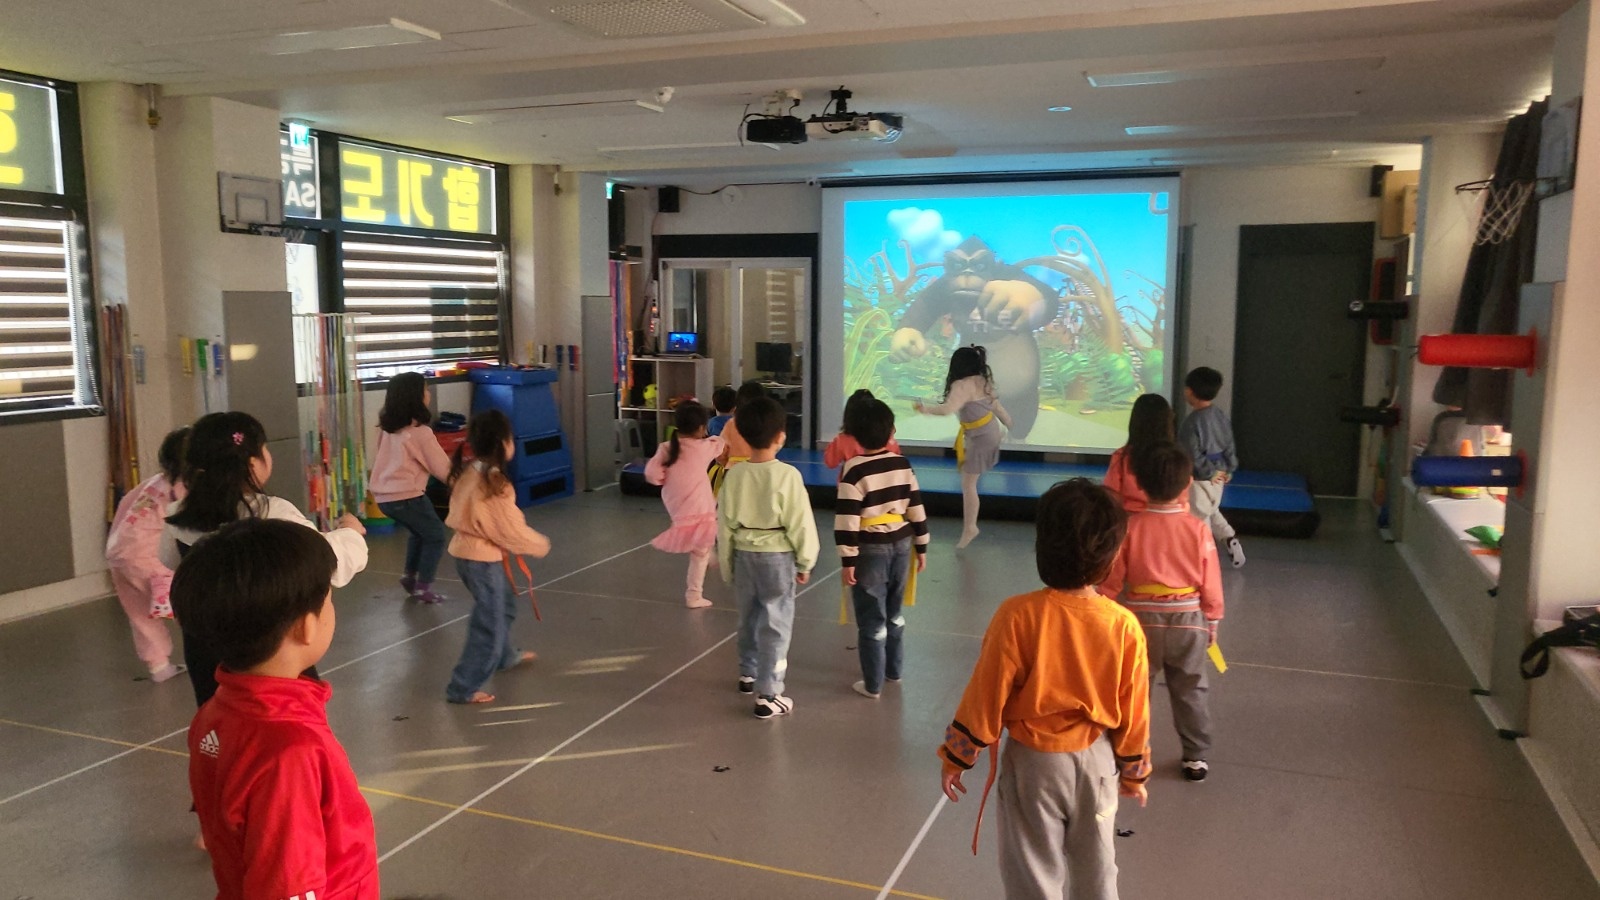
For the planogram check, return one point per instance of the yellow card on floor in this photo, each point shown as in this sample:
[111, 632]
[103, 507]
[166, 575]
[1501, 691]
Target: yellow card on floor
[1215, 652]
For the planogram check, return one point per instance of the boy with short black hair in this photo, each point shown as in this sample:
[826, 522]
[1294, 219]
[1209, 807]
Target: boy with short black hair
[1207, 436]
[723, 400]
[767, 543]
[1063, 670]
[878, 520]
[1174, 585]
[278, 803]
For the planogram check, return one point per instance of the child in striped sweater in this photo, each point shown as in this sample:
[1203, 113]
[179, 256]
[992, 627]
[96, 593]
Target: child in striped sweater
[879, 521]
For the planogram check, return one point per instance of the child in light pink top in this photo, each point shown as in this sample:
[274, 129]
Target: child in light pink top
[1150, 422]
[143, 584]
[407, 454]
[679, 466]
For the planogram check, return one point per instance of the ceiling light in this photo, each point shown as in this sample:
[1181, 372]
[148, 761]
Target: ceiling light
[668, 148]
[538, 112]
[1060, 109]
[1298, 68]
[390, 34]
[1255, 125]
[661, 18]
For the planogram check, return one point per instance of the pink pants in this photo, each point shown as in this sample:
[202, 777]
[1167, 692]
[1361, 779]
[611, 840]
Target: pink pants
[696, 581]
[151, 640]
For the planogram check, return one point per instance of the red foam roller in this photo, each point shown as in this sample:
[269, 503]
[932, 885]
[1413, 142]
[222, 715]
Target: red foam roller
[1479, 351]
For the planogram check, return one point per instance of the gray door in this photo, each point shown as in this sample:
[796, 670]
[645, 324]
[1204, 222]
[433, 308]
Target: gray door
[1297, 357]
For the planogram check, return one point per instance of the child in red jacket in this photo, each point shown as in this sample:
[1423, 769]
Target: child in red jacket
[1174, 585]
[277, 799]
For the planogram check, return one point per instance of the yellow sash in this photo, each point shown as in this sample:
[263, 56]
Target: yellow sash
[961, 436]
[911, 579]
[718, 472]
[1160, 590]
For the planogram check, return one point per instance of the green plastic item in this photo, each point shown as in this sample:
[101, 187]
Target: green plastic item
[1487, 535]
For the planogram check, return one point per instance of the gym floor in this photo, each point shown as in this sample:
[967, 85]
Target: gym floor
[1350, 761]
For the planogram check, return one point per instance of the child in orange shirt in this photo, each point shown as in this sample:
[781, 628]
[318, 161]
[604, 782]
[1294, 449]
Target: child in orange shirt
[1063, 670]
[1174, 585]
[846, 445]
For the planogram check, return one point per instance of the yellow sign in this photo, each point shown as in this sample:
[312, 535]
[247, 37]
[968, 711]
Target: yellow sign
[30, 149]
[379, 186]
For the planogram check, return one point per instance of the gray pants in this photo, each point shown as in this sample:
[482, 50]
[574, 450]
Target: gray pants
[1058, 816]
[1205, 501]
[763, 588]
[1177, 643]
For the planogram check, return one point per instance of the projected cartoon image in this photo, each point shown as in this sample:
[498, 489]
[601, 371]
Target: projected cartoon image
[1068, 293]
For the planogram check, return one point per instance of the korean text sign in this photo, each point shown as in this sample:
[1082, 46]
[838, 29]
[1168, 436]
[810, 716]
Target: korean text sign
[379, 186]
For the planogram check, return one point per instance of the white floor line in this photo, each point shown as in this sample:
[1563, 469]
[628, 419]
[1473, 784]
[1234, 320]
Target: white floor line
[1438, 684]
[92, 766]
[927, 825]
[551, 752]
[132, 750]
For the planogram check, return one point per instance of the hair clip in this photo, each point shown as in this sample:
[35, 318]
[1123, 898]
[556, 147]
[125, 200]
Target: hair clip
[238, 438]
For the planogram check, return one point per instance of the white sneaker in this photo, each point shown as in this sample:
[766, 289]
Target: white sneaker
[860, 687]
[1236, 551]
[772, 707]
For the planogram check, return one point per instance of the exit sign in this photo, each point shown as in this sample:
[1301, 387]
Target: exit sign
[30, 147]
[299, 135]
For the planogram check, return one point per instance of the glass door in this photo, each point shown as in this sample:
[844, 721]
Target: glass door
[772, 317]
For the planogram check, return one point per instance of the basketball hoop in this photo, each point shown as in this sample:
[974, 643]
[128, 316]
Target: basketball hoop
[1498, 208]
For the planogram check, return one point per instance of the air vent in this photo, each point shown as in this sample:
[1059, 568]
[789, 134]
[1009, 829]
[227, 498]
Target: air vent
[664, 18]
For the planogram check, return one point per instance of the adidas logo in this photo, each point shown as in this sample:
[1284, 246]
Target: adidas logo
[209, 745]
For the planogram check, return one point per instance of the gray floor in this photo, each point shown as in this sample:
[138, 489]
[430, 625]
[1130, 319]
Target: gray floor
[1351, 761]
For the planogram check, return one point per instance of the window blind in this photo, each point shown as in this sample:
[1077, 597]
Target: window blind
[428, 302]
[44, 339]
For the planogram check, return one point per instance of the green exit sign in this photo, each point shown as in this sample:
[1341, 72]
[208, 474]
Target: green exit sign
[30, 146]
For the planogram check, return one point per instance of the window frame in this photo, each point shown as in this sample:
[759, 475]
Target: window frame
[334, 230]
[74, 202]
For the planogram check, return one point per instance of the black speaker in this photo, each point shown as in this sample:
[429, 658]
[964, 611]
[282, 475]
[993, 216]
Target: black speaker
[1375, 189]
[667, 199]
[617, 219]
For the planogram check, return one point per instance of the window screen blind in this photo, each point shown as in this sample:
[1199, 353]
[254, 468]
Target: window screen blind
[429, 302]
[44, 358]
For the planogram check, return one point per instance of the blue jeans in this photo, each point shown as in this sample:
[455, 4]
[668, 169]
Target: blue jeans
[425, 544]
[881, 574]
[488, 648]
[763, 588]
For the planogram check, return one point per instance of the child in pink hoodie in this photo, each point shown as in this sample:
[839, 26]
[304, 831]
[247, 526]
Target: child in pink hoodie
[1169, 577]
[407, 454]
[143, 584]
[679, 466]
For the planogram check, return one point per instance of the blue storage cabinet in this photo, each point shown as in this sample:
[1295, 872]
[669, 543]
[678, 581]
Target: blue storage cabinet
[541, 460]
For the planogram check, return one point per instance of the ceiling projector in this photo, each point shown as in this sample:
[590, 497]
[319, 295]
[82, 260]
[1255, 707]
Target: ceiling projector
[836, 123]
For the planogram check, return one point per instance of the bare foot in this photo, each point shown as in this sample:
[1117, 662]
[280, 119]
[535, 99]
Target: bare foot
[696, 602]
[481, 697]
[200, 841]
[527, 656]
[966, 538]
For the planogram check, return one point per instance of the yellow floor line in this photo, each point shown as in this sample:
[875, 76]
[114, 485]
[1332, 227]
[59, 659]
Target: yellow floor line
[664, 848]
[92, 737]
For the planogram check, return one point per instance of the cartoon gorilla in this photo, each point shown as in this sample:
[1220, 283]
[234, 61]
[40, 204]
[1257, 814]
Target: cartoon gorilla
[993, 303]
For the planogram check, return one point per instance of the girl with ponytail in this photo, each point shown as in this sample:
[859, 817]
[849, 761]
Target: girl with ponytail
[679, 466]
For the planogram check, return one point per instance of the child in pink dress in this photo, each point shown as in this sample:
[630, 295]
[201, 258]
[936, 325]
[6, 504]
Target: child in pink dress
[143, 584]
[679, 466]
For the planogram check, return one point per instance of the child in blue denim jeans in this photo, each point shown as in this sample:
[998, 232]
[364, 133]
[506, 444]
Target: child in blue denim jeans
[878, 520]
[767, 543]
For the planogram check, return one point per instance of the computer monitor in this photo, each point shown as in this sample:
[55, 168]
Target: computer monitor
[775, 358]
[683, 342]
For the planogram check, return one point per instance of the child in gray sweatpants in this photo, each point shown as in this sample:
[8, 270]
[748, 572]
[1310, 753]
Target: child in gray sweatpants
[1207, 435]
[1168, 575]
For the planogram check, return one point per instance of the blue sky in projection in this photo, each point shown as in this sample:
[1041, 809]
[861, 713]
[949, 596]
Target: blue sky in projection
[1128, 236]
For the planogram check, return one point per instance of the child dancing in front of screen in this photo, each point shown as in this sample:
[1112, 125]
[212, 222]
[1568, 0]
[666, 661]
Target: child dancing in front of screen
[679, 467]
[969, 393]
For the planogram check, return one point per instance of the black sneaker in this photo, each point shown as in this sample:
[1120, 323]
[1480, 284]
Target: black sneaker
[747, 684]
[1195, 769]
[769, 707]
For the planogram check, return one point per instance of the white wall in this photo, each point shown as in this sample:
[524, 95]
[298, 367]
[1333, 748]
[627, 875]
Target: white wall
[747, 209]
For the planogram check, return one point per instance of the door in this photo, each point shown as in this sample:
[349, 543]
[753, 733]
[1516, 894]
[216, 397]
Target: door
[771, 314]
[1297, 357]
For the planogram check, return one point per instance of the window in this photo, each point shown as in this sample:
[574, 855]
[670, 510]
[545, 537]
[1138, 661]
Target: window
[46, 352]
[428, 302]
[44, 338]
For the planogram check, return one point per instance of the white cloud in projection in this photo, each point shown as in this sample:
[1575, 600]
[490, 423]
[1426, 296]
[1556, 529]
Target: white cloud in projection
[924, 231]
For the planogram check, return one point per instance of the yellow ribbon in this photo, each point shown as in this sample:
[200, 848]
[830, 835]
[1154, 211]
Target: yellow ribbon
[911, 580]
[718, 472]
[961, 436]
[1160, 590]
[1215, 652]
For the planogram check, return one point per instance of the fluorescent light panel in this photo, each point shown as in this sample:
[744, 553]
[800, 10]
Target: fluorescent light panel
[1275, 69]
[1257, 125]
[548, 111]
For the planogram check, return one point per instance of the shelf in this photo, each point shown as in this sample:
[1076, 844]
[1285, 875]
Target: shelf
[642, 409]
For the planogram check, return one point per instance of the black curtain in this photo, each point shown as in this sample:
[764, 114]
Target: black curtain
[1491, 290]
